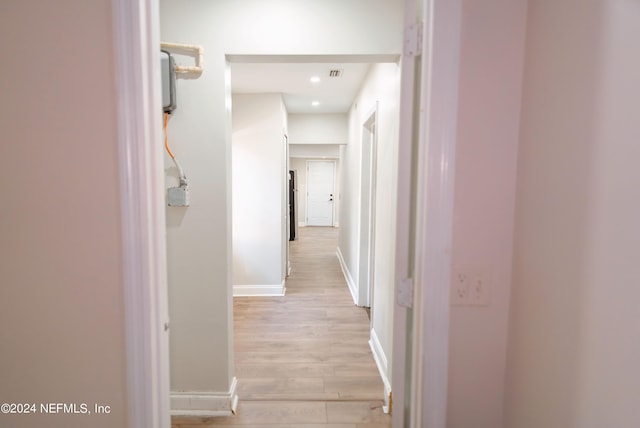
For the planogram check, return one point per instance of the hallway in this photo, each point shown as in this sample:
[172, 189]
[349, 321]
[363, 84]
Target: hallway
[303, 360]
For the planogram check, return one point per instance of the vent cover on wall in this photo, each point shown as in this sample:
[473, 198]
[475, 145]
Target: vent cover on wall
[335, 73]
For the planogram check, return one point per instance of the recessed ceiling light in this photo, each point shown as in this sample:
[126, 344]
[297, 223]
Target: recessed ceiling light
[314, 79]
[315, 103]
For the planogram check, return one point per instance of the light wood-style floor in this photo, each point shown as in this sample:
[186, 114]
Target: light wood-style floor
[303, 360]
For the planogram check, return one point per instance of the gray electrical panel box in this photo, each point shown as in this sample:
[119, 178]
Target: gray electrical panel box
[168, 67]
[178, 197]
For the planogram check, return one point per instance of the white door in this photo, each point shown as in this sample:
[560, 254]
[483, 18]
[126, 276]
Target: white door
[320, 193]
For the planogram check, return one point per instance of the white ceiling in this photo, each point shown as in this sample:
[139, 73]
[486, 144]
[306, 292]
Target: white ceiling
[334, 94]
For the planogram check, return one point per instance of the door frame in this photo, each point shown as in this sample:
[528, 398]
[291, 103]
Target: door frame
[418, 353]
[286, 262]
[306, 199]
[367, 231]
[136, 27]
[426, 171]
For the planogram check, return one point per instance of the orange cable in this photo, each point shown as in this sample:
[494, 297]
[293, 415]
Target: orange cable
[166, 137]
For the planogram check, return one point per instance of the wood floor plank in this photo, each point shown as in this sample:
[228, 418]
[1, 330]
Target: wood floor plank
[257, 371]
[355, 387]
[354, 369]
[384, 425]
[280, 426]
[248, 388]
[356, 412]
[289, 412]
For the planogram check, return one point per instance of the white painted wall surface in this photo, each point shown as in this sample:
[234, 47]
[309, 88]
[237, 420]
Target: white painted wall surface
[257, 172]
[61, 299]
[491, 58]
[199, 237]
[574, 340]
[317, 151]
[383, 85]
[319, 128]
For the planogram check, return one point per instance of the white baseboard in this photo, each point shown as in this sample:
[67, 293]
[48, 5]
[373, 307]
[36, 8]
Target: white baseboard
[381, 361]
[302, 224]
[347, 276]
[205, 403]
[259, 290]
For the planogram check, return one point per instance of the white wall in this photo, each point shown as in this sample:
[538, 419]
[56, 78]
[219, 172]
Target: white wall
[61, 298]
[492, 50]
[382, 84]
[317, 151]
[574, 340]
[258, 167]
[199, 237]
[318, 128]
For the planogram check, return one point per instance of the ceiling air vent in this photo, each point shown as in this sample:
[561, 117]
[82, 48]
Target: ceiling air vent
[335, 73]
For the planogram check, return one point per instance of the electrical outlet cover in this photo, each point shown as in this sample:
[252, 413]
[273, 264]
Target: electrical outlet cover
[470, 286]
[459, 288]
[479, 289]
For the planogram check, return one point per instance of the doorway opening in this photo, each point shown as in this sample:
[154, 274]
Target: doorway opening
[320, 193]
[334, 153]
[137, 36]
